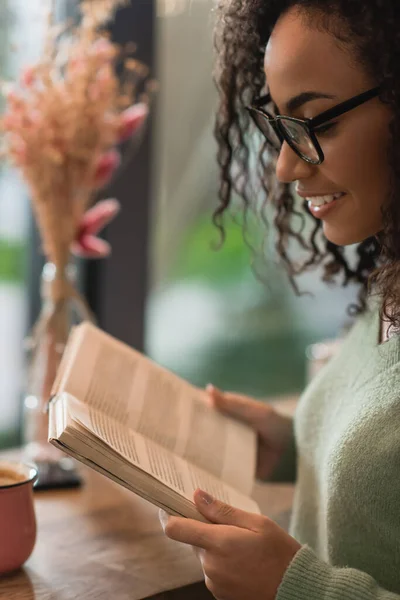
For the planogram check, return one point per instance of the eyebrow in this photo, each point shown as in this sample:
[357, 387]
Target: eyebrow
[297, 101]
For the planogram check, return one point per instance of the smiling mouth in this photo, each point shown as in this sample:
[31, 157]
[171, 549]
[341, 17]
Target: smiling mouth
[318, 201]
[322, 211]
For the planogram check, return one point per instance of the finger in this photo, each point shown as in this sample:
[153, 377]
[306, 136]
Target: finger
[199, 552]
[188, 531]
[237, 405]
[219, 512]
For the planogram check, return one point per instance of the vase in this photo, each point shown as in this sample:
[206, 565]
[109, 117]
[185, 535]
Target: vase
[62, 308]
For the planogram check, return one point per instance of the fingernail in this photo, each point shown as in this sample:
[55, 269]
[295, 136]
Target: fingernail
[210, 388]
[163, 516]
[205, 498]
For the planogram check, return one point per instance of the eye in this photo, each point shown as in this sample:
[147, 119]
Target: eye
[324, 128]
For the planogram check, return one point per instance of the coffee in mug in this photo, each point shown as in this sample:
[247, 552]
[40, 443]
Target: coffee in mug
[8, 477]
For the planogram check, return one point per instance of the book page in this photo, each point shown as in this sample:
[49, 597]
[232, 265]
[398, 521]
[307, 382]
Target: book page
[167, 468]
[128, 387]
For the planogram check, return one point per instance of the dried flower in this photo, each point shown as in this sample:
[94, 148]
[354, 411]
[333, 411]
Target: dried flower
[131, 121]
[96, 12]
[64, 120]
[87, 244]
[105, 168]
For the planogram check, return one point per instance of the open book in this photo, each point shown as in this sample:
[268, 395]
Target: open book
[142, 426]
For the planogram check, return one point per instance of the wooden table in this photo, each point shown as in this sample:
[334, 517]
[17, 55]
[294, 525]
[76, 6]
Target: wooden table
[102, 542]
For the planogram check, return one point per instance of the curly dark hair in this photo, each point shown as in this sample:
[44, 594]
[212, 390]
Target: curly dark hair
[372, 31]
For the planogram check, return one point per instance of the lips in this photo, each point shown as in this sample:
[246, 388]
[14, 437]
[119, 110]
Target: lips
[323, 210]
[309, 194]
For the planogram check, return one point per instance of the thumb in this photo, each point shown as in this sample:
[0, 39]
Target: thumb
[218, 512]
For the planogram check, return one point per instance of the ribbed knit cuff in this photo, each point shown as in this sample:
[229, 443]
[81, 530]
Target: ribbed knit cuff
[305, 578]
[309, 578]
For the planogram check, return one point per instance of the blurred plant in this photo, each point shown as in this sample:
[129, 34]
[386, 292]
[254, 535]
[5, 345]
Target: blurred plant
[96, 12]
[63, 122]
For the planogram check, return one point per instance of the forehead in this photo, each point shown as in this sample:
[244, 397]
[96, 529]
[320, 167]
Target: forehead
[301, 58]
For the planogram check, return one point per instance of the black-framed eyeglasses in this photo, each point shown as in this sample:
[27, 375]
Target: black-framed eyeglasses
[301, 134]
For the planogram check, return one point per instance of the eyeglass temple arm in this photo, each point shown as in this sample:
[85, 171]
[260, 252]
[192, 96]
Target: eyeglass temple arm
[331, 113]
[259, 102]
[344, 107]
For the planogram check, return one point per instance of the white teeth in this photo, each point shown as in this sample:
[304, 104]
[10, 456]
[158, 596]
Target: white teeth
[320, 200]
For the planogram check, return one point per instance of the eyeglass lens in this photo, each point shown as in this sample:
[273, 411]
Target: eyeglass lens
[266, 128]
[299, 137]
[295, 134]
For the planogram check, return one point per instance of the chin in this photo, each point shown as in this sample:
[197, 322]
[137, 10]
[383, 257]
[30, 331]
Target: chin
[340, 238]
[346, 238]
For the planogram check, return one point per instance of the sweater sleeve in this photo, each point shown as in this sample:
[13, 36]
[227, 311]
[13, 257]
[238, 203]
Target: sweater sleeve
[285, 470]
[308, 578]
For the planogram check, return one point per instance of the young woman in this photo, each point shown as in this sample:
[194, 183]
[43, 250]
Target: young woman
[322, 78]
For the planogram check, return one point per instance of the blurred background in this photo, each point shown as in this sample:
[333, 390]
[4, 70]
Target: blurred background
[165, 290]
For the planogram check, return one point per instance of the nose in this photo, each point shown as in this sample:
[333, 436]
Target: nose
[290, 167]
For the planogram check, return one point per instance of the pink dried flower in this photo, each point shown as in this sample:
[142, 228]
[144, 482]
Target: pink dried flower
[131, 120]
[14, 98]
[63, 124]
[18, 151]
[87, 244]
[12, 120]
[105, 168]
[28, 77]
[104, 50]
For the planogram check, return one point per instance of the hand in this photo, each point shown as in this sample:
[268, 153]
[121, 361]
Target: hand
[244, 556]
[273, 429]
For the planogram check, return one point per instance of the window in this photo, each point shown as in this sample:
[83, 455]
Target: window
[22, 30]
[208, 318]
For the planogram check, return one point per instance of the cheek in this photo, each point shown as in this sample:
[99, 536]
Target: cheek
[360, 166]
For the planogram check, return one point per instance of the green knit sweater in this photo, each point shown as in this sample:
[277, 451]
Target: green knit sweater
[346, 509]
